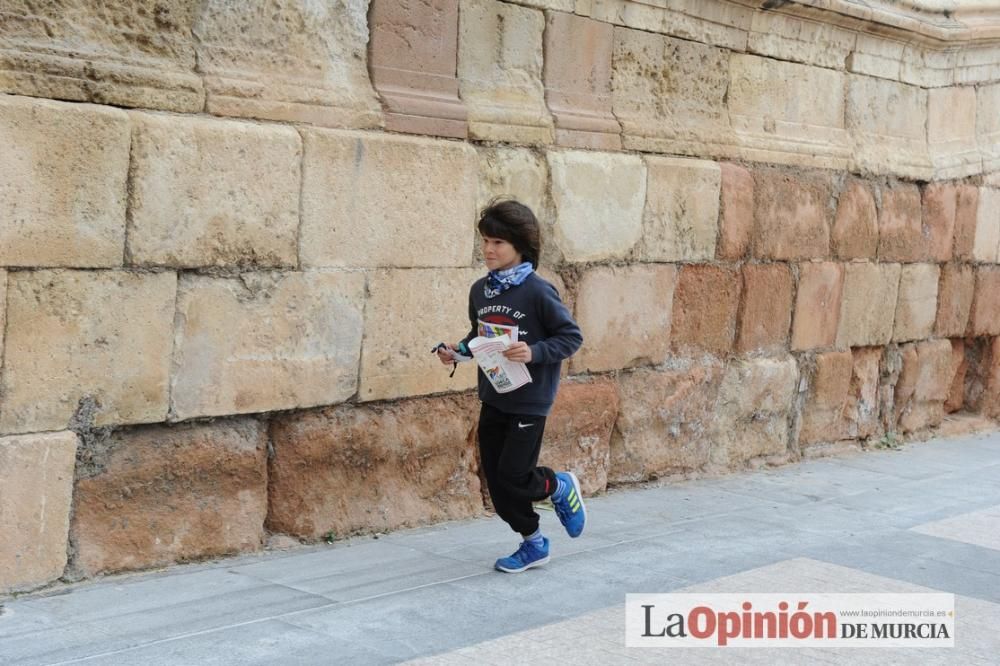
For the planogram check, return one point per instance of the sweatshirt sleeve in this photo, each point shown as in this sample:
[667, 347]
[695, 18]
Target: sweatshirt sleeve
[562, 335]
[473, 328]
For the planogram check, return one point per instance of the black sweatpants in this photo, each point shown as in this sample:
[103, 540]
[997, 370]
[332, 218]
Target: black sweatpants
[508, 448]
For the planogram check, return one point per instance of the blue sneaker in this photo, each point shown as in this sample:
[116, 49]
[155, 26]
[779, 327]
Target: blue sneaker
[527, 556]
[569, 505]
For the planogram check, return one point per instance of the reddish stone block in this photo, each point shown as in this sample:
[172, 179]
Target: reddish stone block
[817, 305]
[157, 495]
[900, 234]
[982, 376]
[955, 291]
[940, 202]
[959, 366]
[966, 211]
[578, 432]
[924, 384]
[735, 213]
[855, 228]
[984, 318]
[842, 402]
[791, 216]
[767, 307]
[704, 310]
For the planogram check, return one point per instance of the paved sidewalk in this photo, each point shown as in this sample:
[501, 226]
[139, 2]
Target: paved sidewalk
[926, 517]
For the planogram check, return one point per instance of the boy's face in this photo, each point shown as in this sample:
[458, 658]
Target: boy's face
[499, 254]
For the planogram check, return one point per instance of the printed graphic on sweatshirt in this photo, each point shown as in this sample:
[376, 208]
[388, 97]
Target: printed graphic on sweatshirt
[493, 326]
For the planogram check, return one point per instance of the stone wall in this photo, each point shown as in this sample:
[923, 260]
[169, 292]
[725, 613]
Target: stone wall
[230, 233]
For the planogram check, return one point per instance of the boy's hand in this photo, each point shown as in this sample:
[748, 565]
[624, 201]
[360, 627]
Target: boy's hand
[519, 352]
[444, 356]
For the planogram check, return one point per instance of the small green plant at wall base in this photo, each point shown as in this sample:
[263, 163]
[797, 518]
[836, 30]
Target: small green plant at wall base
[330, 536]
[890, 440]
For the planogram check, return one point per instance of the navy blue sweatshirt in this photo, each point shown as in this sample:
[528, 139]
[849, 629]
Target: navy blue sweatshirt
[543, 322]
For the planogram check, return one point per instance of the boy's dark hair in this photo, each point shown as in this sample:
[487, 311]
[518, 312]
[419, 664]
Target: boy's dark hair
[513, 222]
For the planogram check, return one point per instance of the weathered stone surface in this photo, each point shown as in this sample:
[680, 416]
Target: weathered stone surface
[887, 121]
[625, 315]
[705, 304]
[842, 401]
[984, 316]
[266, 341]
[940, 202]
[988, 125]
[156, 495]
[866, 313]
[924, 384]
[855, 229]
[987, 237]
[751, 415]
[669, 94]
[681, 217]
[577, 73]
[798, 39]
[119, 54]
[966, 213]
[736, 212]
[213, 193]
[414, 55]
[787, 113]
[900, 230]
[578, 432]
[500, 72]
[982, 376]
[62, 184]
[951, 131]
[665, 420]
[290, 60]
[373, 468]
[599, 199]
[382, 200]
[767, 308]
[68, 358]
[36, 484]
[817, 305]
[955, 291]
[791, 215]
[916, 304]
[959, 366]
[519, 173]
[429, 305]
[3, 311]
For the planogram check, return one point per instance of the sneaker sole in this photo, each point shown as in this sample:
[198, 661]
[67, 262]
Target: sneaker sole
[536, 563]
[583, 506]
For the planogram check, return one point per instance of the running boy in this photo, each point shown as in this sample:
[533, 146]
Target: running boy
[512, 299]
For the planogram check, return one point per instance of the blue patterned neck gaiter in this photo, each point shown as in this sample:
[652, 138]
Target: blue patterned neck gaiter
[498, 282]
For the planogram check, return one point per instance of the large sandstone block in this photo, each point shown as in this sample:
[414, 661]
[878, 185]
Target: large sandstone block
[681, 217]
[372, 468]
[62, 184]
[213, 193]
[500, 72]
[290, 60]
[90, 347]
[842, 399]
[406, 313]
[665, 420]
[751, 415]
[705, 305]
[988, 125]
[887, 121]
[735, 212]
[986, 243]
[385, 200]
[924, 384]
[951, 131]
[3, 308]
[817, 305]
[670, 94]
[787, 113]
[577, 72]
[900, 229]
[578, 432]
[625, 315]
[966, 217]
[156, 495]
[855, 228]
[981, 390]
[506, 172]
[784, 37]
[916, 304]
[599, 199]
[791, 215]
[866, 313]
[984, 316]
[266, 341]
[766, 313]
[36, 485]
[955, 292]
[959, 367]
[940, 204]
